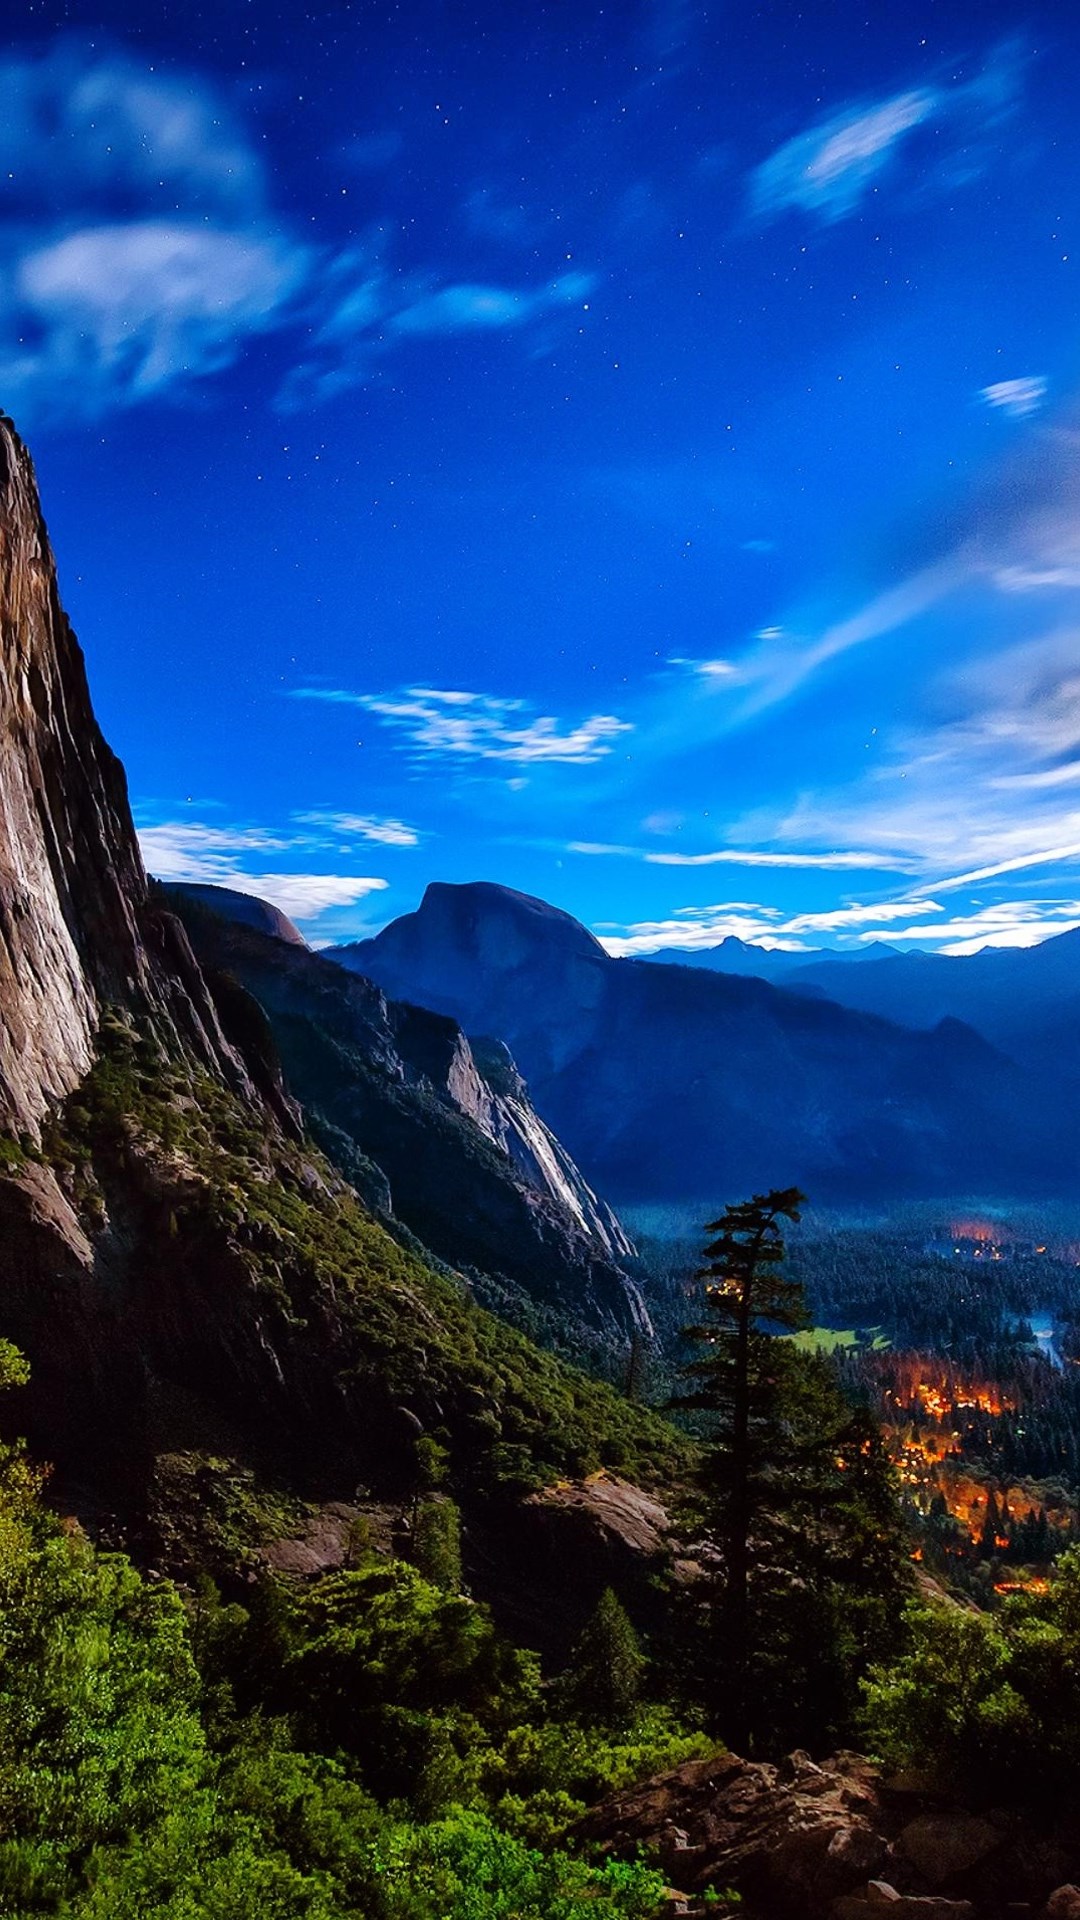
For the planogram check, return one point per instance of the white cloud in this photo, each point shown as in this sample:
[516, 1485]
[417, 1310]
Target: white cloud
[708, 669]
[364, 311]
[1018, 398]
[830, 168]
[852, 861]
[756, 857]
[1045, 857]
[168, 259]
[189, 850]
[467, 308]
[305, 895]
[175, 848]
[362, 826]
[692, 929]
[438, 721]
[116, 314]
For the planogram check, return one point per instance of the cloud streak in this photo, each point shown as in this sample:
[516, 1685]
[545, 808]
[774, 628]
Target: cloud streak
[362, 826]
[851, 861]
[833, 166]
[450, 723]
[188, 850]
[1018, 398]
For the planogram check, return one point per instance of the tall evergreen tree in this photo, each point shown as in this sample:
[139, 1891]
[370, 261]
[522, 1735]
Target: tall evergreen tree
[799, 1501]
[738, 1382]
[603, 1684]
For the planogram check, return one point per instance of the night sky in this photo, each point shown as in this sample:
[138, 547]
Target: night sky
[629, 452]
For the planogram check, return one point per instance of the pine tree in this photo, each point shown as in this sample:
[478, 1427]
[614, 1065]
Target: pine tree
[603, 1683]
[739, 1378]
[991, 1527]
[800, 1504]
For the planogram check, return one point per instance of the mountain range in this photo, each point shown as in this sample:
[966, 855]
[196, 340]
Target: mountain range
[688, 1083]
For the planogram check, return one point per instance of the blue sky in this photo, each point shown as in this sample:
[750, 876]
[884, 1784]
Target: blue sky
[631, 453]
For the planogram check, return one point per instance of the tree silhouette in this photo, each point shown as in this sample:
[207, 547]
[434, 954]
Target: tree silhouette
[740, 1383]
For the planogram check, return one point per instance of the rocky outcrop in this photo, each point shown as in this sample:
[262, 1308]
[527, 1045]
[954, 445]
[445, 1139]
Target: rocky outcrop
[469, 1166]
[548, 1559]
[828, 1841]
[670, 1083]
[76, 932]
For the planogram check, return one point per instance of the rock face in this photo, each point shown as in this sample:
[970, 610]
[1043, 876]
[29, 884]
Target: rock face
[674, 1083]
[828, 1841]
[71, 884]
[467, 1163]
[559, 1548]
[75, 929]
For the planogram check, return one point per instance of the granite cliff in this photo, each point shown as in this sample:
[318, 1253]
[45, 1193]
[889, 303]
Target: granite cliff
[76, 931]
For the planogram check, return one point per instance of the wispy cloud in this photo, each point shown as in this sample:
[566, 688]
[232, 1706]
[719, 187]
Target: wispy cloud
[852, 861]
[710, 670]
[830, 168]
[757, 857]
[118, 314]
[1018, 398]
[471, 308]
[190, 850]
[694, 929]
[362, 826]
[168, 258]
[436, 722]
[985, 791]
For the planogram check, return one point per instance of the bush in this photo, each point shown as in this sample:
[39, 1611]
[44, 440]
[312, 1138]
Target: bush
[989, 1705]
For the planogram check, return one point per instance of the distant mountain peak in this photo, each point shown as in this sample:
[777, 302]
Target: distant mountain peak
[245, 909]
[486, 902]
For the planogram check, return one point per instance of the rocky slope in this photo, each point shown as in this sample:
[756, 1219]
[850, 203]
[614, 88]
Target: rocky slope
[677, 1083]
[439, 1132]
[834, 1841]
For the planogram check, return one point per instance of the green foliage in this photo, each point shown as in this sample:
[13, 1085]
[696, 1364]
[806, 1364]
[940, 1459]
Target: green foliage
[462, 1868]
[14, 1367]
[99, 1736]
[131, 1785]
[436, 1544]
[989, 1704]
[271, 1218]
[603, 1686]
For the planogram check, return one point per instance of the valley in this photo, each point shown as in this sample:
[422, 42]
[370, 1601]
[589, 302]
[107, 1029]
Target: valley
[962, 1333]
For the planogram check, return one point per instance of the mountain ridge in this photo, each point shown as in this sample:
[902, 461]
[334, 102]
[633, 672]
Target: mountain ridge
[753, 1079]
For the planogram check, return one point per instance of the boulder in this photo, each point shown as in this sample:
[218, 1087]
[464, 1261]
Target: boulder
[878, 1899]
[942, 1847]
[1063, 1904]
